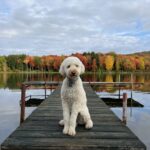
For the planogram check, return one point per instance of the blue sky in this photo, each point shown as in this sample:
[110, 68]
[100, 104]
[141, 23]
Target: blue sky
[42, 27]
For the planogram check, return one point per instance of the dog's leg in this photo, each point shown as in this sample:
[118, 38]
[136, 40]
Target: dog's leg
[66, 117]
[87, 118]
[73, 120]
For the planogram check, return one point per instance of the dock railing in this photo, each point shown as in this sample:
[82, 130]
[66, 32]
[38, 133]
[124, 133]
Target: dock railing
[51, 84]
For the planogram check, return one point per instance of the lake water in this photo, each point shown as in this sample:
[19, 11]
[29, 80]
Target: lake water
[138, 119]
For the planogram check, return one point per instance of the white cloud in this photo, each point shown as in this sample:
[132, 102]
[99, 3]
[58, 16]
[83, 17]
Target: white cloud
[8, 33]
[66, 26]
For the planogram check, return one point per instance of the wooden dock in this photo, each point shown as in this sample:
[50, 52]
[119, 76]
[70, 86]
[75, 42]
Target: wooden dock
[40, 131]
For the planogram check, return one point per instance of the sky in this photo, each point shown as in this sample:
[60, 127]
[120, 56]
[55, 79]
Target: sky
[45, 27]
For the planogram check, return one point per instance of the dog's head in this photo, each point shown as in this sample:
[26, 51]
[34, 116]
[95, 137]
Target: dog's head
[71, 67]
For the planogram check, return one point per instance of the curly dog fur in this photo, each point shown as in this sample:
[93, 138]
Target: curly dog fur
[74, 101]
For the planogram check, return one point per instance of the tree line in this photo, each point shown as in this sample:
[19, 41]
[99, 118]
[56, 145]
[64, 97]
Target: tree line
[95, 62]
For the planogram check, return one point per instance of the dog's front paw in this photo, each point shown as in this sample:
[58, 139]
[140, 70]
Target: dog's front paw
[89, 124]
[65, 130]
[71, 131]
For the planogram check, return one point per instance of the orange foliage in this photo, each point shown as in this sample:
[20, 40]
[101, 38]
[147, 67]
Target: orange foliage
[101, 59]
[93, 62]
[30, 61]
[82, 58]
[129, 63]
[57, 62]
[47, 62]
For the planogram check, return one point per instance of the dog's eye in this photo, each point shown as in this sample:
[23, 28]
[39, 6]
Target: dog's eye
[77, 65]
[68, 66]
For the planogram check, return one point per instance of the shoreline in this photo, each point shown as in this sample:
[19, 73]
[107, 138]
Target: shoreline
[88, 72]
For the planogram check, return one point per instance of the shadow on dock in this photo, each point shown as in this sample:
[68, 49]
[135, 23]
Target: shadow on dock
[111, 102]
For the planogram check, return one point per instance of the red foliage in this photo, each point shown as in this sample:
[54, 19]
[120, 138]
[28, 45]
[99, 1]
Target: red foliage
[82, 58]
[30, 61]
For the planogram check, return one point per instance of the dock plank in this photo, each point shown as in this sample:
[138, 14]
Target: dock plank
[41, 131]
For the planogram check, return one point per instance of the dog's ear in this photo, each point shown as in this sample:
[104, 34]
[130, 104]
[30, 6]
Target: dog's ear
[82, 68]
[62, 70]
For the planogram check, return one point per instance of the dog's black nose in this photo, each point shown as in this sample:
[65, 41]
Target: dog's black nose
[73, 73]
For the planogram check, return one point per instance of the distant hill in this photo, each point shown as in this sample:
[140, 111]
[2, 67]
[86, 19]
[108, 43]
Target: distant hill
[141, 53]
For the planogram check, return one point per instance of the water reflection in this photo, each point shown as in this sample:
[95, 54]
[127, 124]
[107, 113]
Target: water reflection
[138, 122]
[138, 119]
[14, 80]
[10, 110]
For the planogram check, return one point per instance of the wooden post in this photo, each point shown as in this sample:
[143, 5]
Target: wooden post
[119, 78]
[51, 86]
[23, 95]
[45, 90]
[119, 86]
[119, 91]
[124, 106]
[131, 85]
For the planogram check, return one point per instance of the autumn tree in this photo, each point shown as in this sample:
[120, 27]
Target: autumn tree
[147, 63]
[101, 61]
[90, 56]
[48, 62]
[29, 61]
[140, 64]
[2, 63]
[89, 62]
[26, 62]
[82, 58]
[20, 62]
[94, 65]
[37, 62]
[129, 64]
[118, 63]
[109, 62]
[15, 62]
[57, 62]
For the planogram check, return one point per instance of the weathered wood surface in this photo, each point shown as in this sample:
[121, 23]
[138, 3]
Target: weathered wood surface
[41, 131]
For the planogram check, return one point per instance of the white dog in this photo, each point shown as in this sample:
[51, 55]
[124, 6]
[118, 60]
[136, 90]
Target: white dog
[74, 101]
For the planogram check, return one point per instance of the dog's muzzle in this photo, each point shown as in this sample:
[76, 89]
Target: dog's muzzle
[73, 74]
